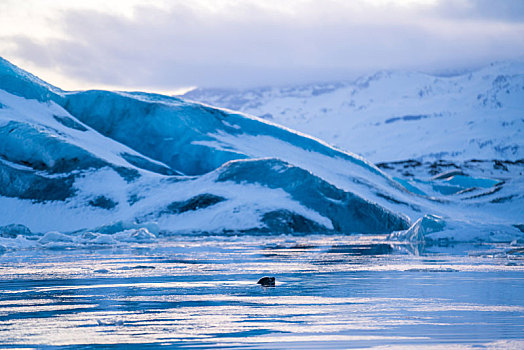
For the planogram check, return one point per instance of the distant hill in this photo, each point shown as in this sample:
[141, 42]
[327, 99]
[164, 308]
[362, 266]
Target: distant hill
[397, 115]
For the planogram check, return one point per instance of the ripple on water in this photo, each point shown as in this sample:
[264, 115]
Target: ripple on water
[331, 292]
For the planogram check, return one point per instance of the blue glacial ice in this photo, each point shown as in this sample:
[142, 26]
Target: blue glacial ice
[83, 161]
[77, 161]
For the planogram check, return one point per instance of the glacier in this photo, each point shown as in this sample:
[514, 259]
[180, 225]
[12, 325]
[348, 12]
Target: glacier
[80, 161]
[458, 140]
[100, 167]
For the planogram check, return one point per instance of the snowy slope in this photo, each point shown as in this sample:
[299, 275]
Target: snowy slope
[112, 161]
[79, 160]
[392, 116]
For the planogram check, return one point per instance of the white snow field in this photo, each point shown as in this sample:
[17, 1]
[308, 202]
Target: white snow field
[399, 115]
[102, 167]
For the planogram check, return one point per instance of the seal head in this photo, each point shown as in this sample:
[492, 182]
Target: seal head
[267, 281]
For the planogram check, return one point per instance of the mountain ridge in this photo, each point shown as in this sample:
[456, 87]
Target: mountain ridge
[463, 117]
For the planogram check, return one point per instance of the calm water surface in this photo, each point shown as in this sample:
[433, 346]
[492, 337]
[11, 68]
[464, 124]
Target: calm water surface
[331, 292]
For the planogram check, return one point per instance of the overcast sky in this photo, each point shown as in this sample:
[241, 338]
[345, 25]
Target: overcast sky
[170, 45]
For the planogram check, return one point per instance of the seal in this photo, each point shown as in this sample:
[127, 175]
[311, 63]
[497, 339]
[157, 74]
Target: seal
[267, 281]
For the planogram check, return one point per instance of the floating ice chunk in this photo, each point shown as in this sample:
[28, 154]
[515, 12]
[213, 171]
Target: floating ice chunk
[152, 227]
[432, 228]
[14, 230]
[54, 237]
[103, 240]
[418, 231]
[95, 238]
[57, 240]
[19, 242]
[124, 225]
[142, 235]
[110, 322]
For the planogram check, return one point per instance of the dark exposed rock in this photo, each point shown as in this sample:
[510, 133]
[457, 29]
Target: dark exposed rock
[198, 202]
[128, 174]
[134, 198]
[285, 221]
[500, 165]
[103, 202]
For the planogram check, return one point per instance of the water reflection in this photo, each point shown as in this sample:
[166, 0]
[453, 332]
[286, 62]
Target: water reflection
[362, 249]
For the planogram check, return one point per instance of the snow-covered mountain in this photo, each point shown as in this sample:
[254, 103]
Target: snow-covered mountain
[103, 162]
[394, 116]
[79, 160]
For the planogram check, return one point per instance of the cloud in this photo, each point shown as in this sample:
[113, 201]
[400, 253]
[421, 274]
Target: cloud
[252, 43]
[499, 10]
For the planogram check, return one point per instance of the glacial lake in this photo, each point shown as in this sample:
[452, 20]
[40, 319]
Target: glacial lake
[201, 292]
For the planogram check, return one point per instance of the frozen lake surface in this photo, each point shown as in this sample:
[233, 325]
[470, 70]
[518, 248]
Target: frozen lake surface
[201, 292]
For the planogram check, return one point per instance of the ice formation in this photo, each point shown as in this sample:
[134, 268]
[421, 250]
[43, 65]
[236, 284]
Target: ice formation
[86, 161]
[97, 168]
